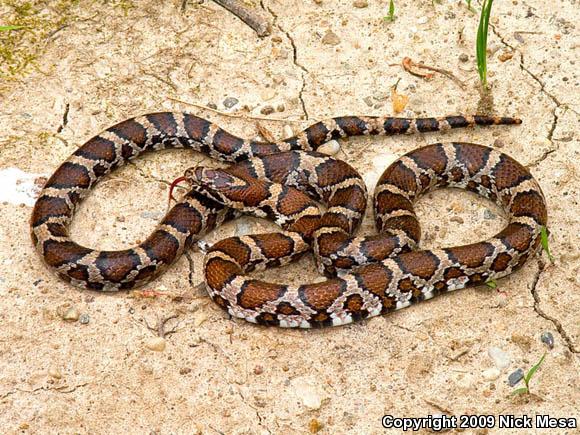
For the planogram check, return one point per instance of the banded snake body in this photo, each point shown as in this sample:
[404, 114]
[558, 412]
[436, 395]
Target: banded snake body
[286, 181]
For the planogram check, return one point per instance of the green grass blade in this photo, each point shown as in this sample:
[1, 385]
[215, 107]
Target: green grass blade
[7, 28]
[391, 16]
[534, 369]
[544, 241]
[481, 45]
[522, 390]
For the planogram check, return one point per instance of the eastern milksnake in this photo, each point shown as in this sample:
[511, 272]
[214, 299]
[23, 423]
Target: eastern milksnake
[285, 181]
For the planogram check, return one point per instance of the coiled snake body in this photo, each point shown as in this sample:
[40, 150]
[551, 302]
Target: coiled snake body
[285, 181]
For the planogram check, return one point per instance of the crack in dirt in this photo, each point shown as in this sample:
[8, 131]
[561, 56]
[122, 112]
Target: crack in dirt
[64, 389]
[557, 103]
[555, 118]
[64, 118]
[294, 56]
[260, 420]
[557, 324]
[543, 157]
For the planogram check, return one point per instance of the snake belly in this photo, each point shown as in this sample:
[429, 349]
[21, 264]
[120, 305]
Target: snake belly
[396, 279]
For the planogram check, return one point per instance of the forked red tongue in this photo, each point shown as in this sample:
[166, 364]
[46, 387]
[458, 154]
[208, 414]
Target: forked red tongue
[174, 184]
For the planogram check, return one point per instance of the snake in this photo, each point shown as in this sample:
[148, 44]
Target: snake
[318, 200]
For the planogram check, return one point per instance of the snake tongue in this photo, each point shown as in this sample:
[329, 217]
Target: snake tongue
[174, 184]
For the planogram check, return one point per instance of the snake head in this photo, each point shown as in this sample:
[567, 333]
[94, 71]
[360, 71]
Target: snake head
[212, 179]
[215, 183]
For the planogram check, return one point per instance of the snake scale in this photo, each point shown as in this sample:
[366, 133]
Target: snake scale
[287, 181]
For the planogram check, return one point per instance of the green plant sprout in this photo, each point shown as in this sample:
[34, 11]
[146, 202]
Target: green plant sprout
[391, 16]
[544, 241]
[469, 7]
[528, 377]
[481, 46]
[7, 28]
[491, 283]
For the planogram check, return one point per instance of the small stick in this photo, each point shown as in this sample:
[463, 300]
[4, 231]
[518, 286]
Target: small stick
[408, 64]
[160, 327]
[248, 16]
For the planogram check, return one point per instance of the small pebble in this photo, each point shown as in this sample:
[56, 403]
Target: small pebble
[463, 57]
[493, 48]
[360, 4]
[518, 37]
[267, 110]
[267, 94]
[71, 315]
[230, 102]
[184, 371]
[548, 339]
[500, 358]
[516, 377]
[84, 318]
[330, 38]
[491, 374]
[423, 20]
[330, 148]
[488, 214]
[498, 143]
[288, 131]
[258, 370]
[55, 373]
[212, 106]
[156, 344]
[155, 215]
[457, 219]
[506, 55]
[308, 394]
[315, 426]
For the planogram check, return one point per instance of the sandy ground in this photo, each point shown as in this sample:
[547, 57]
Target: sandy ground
[100, 62]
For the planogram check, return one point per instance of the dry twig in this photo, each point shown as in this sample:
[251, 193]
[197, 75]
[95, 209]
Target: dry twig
[160, 327]
[408, 66]
[249, 16]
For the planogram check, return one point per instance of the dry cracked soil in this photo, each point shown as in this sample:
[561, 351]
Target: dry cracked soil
[75, 361]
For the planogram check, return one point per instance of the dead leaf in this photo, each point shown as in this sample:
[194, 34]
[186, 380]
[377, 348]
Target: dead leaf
[399, 101]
